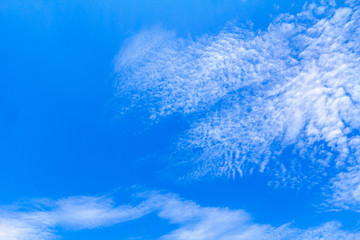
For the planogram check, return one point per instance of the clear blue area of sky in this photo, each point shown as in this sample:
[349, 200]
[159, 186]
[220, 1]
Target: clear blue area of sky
[58, 136]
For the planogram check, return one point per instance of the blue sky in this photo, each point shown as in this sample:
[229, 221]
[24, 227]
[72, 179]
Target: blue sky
[179, 120]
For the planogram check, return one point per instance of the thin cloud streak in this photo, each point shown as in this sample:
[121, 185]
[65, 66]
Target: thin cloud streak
[193, 221]
[76, 213]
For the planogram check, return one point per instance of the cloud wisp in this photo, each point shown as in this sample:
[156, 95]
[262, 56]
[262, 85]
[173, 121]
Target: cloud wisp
[346, 190]
[285, 101]
[39, 219]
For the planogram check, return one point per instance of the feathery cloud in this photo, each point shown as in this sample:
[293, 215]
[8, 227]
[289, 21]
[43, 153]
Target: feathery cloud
[37, 219]
[285, 101]
[193, 221]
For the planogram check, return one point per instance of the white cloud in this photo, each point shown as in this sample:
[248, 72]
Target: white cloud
[346, 190]
[194, 222]
[14, 229]
[314, 107]
[285, 101]
[352, 2]
[41, 217]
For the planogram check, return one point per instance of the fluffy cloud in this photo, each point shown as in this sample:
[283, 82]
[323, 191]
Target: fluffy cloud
[193, 221]
[285, 101]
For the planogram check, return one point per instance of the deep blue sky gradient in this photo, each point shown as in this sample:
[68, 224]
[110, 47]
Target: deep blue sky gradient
[58, 132]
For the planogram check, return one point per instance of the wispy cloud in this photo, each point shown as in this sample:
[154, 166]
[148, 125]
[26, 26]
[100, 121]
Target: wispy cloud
[37, 219]
[346, 190]
[352, 2]
[193, 221]
[285, 101]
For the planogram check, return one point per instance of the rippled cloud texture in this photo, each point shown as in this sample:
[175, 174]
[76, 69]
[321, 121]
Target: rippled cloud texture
[284, 101]
[38, 219]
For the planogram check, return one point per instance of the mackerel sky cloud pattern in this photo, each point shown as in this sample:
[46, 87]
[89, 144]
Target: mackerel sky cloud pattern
[230, 120]
[293, 88]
